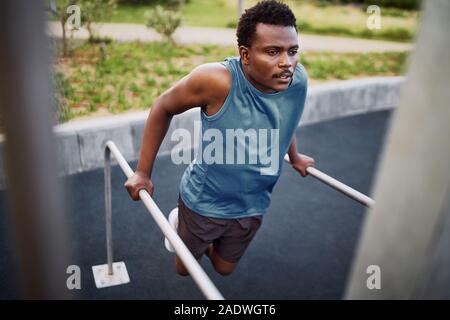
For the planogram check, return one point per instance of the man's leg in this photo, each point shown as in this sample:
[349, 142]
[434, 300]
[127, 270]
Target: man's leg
[223, 241]
[193, 244]
[181, 269]
[191, 230]
[226, 251]
[223, 267]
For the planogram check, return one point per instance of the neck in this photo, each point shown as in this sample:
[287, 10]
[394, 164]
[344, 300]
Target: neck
[255, 83]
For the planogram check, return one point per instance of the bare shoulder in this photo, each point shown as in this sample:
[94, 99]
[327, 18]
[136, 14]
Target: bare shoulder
[213, 78]
[206, 86]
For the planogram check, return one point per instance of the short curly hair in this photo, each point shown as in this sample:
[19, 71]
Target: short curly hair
[267, 12]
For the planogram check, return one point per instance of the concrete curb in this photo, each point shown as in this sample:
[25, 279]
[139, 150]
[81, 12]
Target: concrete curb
[80, 144]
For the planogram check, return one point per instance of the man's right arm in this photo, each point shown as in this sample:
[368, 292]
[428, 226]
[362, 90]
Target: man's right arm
[202, 87]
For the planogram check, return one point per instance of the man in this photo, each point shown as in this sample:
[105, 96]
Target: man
[261, 95]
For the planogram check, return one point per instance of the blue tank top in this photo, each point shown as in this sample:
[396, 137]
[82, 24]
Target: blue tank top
[242, 146]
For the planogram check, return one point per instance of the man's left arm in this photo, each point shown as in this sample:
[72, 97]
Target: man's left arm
[299, 161]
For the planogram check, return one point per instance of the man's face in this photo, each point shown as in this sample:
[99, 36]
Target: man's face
[270, 61]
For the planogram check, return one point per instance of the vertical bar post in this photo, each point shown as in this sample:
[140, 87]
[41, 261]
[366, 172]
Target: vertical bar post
[240, 8]
[112, 273]
[108, 210]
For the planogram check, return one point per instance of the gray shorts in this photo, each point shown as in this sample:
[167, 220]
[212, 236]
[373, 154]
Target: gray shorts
[230, 237]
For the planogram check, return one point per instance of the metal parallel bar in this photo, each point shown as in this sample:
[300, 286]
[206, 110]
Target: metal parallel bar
[195, 270]
[339, 186]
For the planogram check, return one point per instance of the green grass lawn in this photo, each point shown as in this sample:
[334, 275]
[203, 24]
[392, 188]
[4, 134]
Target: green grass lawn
[351, 21]
[341, 20]
[205, 13]
[129, 76]
[127, 13]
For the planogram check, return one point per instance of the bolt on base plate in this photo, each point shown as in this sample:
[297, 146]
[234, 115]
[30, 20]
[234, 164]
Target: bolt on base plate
[103, 279]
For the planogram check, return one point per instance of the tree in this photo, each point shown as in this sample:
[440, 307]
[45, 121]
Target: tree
[95, 11]
[59, 9]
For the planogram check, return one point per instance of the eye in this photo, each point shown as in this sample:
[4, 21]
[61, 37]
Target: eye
[272, 52]
[293, 52]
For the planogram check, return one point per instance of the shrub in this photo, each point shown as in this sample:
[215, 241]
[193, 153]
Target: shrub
[163, 21]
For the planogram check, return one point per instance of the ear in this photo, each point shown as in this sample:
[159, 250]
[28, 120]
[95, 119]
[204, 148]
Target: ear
[244, 54]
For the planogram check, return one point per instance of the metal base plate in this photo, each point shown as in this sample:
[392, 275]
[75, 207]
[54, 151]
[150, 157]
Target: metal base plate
[103, 279]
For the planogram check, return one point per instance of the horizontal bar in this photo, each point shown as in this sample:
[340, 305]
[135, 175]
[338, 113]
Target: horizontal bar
[339, 186]
[195, 270]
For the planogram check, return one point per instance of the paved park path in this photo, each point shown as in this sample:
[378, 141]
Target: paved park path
[222, 36]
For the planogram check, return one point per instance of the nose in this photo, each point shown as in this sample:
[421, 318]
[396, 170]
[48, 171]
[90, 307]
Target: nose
[284, 61]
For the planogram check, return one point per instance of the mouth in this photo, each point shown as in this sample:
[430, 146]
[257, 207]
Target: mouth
[284, 77]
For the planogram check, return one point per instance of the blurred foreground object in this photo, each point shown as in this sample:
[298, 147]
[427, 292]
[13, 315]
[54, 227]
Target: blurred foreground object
[27, 110]
[407, 232]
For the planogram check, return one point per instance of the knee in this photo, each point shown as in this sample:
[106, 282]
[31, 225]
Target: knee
[182, 272]
[221, 266]
[224, 270]
[181, 269]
